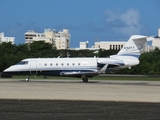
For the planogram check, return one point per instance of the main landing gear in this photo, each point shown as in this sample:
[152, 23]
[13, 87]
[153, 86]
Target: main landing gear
[84, 78]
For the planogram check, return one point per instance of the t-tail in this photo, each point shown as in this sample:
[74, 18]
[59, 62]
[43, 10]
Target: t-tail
[129, 55]
[133, 48]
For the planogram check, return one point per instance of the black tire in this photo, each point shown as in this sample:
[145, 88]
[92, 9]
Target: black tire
[27, 79]
[85, 80]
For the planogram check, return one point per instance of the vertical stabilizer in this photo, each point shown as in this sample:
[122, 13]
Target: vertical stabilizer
[133, 47]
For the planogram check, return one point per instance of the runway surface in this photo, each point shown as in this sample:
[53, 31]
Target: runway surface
[73, 99]
[133, 91]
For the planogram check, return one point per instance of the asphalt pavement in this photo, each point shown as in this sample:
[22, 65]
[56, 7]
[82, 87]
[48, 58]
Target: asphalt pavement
[77, 110]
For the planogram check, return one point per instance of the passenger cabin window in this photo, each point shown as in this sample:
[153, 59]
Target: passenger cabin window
[22, 63]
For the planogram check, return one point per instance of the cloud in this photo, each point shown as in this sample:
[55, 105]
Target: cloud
[125, 23]
[117, 23]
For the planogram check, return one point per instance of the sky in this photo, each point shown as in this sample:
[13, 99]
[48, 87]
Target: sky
[86, 20]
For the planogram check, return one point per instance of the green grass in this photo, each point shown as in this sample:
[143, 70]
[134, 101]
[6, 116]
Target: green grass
[134, 78]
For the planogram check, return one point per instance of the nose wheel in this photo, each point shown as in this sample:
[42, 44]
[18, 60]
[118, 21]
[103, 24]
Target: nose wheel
[27, 78]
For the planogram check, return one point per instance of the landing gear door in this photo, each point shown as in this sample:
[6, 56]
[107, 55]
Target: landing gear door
[33, 67]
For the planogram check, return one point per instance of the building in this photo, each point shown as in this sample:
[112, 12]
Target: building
[156, 41]
[83, 45]
[6, 39]
[31, 36]
[109, 45]
[60, 40]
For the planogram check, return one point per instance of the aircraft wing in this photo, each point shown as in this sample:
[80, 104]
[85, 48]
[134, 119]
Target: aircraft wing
[103, 67]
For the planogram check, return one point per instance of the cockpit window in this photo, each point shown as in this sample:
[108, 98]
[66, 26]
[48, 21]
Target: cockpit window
[22, 63]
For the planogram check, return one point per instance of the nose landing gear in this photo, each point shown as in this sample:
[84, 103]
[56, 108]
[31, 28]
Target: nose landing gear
[27, 79]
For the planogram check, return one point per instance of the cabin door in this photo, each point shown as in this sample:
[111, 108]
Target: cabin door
[33, 67]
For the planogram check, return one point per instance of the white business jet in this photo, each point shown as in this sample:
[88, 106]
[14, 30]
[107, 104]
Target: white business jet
[81, 67]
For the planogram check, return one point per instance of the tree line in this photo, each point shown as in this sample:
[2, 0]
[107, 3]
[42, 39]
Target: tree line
[11, 54]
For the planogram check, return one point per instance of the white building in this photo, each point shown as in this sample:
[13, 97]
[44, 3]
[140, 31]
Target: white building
[31, 36]
[156, 41]
[61, 39]
[83, 45]
[6, 39]
[109, 45]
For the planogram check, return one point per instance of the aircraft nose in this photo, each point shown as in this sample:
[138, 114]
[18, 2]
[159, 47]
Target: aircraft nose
[9, 70]
[6, 71]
